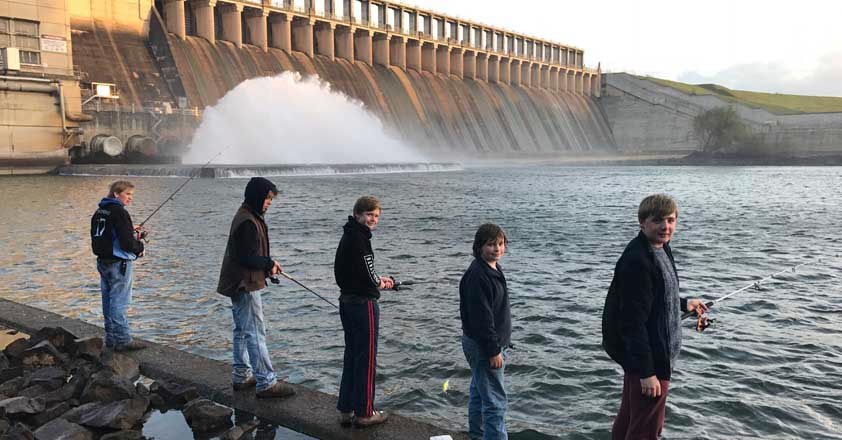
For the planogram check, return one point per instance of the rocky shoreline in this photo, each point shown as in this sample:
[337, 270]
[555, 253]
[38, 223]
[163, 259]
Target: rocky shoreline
[54, 385]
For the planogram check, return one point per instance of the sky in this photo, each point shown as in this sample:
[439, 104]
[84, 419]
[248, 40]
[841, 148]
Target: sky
[777, 46]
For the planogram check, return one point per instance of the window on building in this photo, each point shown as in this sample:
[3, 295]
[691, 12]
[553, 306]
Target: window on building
[24, 35]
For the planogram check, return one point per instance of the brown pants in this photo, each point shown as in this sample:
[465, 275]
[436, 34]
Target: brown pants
[640, 417]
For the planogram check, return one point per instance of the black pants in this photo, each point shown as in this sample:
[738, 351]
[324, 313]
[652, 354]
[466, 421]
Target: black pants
[361, 324]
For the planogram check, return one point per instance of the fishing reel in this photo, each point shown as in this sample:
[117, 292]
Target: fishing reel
[703, 321]
[142, 235]
[397, 286]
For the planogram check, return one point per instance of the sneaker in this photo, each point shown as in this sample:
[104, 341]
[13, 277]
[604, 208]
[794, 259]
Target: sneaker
[134, 345]
[345, 418]
[244, 385]
[376, 418]
[280, 389]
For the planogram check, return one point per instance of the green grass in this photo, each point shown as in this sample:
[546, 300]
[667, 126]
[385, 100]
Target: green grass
[776, 103]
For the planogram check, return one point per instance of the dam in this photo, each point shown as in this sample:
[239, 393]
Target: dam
[130, 80]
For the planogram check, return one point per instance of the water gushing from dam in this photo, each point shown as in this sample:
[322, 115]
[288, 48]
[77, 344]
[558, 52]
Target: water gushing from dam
[445, 117]
[287, 119]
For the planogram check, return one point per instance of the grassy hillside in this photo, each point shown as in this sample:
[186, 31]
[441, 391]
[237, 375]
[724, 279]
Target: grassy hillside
[773, 102]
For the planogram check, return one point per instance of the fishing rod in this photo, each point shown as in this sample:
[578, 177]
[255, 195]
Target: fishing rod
[193, 176]
[755, 285]
[275, 280]
[401, 285]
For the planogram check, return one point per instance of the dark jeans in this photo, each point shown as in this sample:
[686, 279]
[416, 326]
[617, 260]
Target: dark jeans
[640, 417]
[361, 324]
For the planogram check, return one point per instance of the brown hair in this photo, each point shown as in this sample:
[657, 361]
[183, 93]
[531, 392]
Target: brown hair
[486, 233]
[365, 204]
[118, 187]
[657, 206]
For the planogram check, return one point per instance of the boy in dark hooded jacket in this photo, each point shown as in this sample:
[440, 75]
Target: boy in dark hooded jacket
[360, 287]
[245, 267]
[116, 246]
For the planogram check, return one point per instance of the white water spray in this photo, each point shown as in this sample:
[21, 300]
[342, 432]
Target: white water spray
[289, 120]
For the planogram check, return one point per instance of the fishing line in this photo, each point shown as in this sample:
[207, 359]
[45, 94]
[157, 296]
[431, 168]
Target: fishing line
[756, 284]
[193, 176]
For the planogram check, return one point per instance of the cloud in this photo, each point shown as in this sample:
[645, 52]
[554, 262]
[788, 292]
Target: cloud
[824, 80]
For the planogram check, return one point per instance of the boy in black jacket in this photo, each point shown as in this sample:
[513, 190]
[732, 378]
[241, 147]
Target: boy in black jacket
[360, 287]
[486, 333]
[116, 246]
[641, 321]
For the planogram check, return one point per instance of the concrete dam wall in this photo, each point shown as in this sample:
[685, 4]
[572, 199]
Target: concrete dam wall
[438, 113]
[647, 116]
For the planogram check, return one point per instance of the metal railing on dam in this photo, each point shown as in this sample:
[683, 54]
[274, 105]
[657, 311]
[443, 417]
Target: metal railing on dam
[387, 33]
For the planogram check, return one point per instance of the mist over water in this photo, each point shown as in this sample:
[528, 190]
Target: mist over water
[287, 119]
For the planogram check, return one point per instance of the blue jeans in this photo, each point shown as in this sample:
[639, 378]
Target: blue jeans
[250, 353]
[487, 399]
[116, 287]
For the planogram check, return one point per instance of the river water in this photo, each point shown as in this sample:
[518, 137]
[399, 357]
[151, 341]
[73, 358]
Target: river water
[769, 368]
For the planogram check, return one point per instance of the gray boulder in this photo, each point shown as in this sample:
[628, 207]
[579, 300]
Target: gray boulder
[75, 414]
[205, 415]
[58, 337]
[239, 431]
[34, 391]
[106, 386]
[174, 394]
[52, 378]
[16, 348]
[21, 406]
[4, 361]
[11, 387]
[124, 366]
[19, 432]
[10, 373]
[48, 414]
[60, 429]
[42, 354]
[87, 348]
[122, 414]
[123, 435]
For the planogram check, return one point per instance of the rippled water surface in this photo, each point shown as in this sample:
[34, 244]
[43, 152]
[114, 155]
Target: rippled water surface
[769, 368]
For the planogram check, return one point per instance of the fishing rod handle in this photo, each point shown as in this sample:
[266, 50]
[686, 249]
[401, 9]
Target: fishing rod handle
[686, 315]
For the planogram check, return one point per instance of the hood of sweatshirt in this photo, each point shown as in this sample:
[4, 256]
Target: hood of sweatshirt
[256, 191]
[109, 201]
[354, 225]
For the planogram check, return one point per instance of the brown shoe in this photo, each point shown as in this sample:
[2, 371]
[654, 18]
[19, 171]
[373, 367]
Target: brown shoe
[134, 345]
[280, 389]
[244, 385]
[376, 418]
[345, 418]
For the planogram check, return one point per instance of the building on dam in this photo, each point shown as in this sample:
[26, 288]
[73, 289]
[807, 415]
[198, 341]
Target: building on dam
[104, 80]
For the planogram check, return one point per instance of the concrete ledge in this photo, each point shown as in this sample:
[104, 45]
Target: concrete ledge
[309, 412]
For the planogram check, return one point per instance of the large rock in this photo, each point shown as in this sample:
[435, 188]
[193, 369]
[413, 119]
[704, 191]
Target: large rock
[106, 386]
[123, 435]
[42, 354]
[19, 432]
[174, 394]
[205, 415]
[11, 387]
[58, 337]
[16, 348]
[10, 373]
[122, 414]
[33, 391]
[48, 414]
[87, 348]
[239, 431]
[124, 366]
[60, 429]
[71, 390]
[4, 361]
[21, 406]
[74, 414]
[51, 378]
